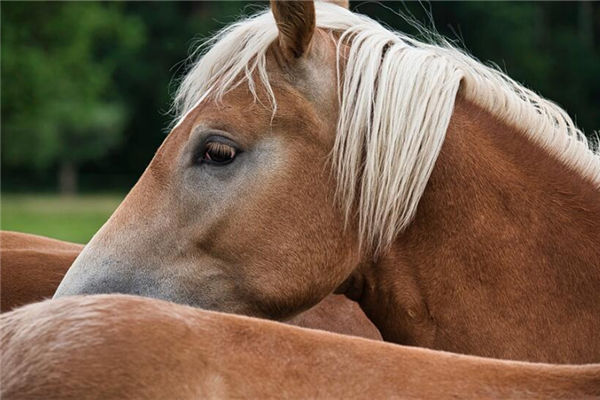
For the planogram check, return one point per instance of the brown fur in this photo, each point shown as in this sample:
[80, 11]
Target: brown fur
[342, 3]
[502, 259]
[116, 347]
[33, 266]
[296, 22]
[335, 313]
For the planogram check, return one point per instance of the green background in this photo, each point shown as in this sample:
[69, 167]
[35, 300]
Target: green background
[86, 86]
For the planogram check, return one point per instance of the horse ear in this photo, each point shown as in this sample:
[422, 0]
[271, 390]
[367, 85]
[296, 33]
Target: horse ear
[296, 23]
[342, 3]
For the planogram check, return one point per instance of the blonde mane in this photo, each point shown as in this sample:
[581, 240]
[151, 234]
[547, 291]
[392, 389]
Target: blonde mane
[396, 99]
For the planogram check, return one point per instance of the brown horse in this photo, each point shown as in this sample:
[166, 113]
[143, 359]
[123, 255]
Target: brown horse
[306, 138]
[125, 347]
[33, 266]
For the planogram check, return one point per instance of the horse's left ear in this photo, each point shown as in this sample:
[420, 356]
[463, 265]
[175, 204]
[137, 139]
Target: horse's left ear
[342, 3]
[296, 23]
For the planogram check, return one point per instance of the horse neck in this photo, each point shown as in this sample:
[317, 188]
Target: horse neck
[504, 246]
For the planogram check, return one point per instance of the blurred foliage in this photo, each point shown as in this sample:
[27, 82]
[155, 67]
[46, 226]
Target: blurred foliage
[550, 47]
[58, 95]
[91, 82]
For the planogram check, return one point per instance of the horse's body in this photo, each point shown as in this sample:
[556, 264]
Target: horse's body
[239, 212]
[115, 347]
[338, 314]
[494, 260]
[33, 266]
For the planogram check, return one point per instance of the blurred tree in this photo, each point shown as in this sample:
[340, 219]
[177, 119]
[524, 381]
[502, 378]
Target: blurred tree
[550, 47]
[57, 99]
[89, 83]
[147, 79]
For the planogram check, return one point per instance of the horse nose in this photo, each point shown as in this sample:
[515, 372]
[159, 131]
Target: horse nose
[94, 285]
[89, 276]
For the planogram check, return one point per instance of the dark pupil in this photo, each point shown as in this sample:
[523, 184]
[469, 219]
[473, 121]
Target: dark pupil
[219, 152]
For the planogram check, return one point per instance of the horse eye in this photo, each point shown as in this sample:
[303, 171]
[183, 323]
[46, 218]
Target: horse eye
[218, 153]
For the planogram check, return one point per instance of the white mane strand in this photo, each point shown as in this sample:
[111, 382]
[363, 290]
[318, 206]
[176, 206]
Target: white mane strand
[396, 99]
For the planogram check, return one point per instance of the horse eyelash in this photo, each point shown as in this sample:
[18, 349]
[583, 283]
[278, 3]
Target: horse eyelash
[220, 148]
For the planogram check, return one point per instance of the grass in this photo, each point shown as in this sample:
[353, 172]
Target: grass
[75, 219]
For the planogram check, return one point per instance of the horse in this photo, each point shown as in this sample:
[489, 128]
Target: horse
[314, 150]
[120, 346]
[33, 266]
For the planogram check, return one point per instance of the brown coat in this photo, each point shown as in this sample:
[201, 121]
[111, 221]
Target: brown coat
[117, 346]
[33, 266]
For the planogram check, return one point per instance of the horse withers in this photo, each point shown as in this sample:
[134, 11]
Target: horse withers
[316, 150]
